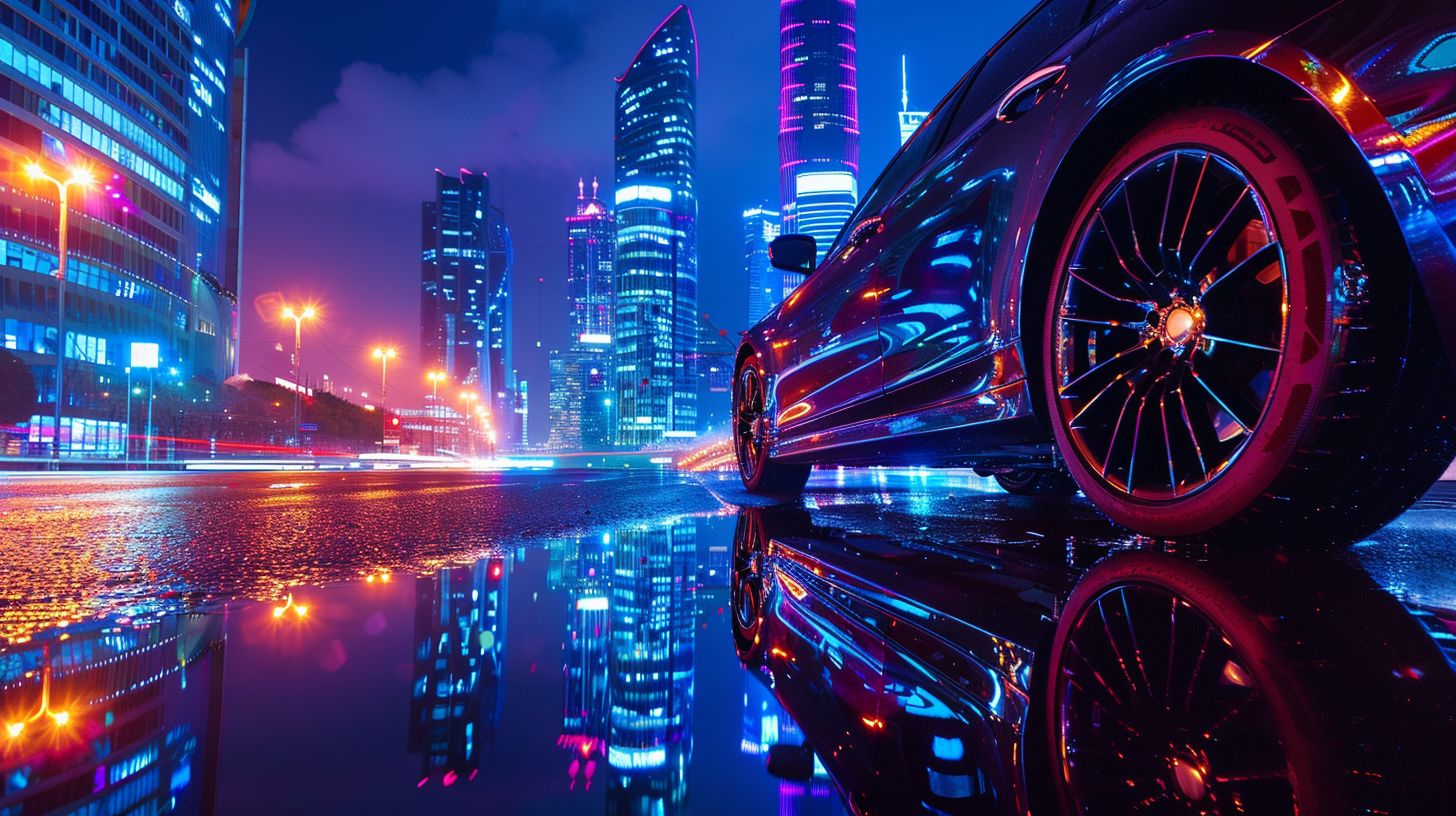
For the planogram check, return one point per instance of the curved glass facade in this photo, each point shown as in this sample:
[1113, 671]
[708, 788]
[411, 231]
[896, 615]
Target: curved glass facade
[657, 242]
[818, 117]
[137, 92]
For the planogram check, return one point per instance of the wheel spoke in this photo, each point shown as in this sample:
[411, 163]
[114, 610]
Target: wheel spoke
[1192, 201]
[1257, 261]
[1217, 231]
[1244, 344]
[1221, 402]
[1082, 279]
[1067, 392]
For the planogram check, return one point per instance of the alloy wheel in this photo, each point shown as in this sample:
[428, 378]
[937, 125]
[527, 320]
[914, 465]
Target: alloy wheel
[1171, 325]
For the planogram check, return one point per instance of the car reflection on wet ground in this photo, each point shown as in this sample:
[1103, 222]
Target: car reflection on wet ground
[634, 642]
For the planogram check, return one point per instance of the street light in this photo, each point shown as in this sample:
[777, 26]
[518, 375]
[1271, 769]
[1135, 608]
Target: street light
[435, 378]
[383, 355]
[298, 317]
[469, 397]
[83, 178]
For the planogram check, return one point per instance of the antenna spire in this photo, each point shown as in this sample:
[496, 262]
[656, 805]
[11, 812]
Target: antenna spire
[904, 86]
[594, 186]
[580, 189]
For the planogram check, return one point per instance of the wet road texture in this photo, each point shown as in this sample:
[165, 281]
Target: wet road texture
[644, 642]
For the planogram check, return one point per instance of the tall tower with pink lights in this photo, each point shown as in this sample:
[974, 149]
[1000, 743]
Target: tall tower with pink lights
[818, 117]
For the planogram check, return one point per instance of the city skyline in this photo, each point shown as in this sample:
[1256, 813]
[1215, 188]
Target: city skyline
[313, 126]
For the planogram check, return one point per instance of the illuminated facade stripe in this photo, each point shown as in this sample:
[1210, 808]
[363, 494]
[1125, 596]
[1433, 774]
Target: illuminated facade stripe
[818, 117]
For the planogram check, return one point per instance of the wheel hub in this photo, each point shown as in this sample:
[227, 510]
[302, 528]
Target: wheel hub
[1189, 777]
[1180, 325]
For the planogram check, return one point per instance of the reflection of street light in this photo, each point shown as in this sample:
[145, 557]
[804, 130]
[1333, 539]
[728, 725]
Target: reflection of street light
[435, 378]
[298, 609]
[59, 717]
[83, 178]
[298, 317]
[383, 355]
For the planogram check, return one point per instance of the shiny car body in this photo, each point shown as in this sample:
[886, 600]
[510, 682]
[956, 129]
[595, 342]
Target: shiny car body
[917, 339]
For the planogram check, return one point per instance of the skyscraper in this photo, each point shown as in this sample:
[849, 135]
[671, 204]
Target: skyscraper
[909, 120]
[657, 242]
[138, 94]
[581, 385]
[765, 284]
[818, 117]
[466, 260]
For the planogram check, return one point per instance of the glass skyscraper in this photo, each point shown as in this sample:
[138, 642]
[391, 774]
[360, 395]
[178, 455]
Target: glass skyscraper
[818, 117]
[466, 258]
[138, 93]
[581, 383]
[766, 285]
[657, 243]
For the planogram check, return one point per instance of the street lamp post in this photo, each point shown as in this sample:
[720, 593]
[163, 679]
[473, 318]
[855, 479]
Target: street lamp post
[80, 177]
[298, 317]
[469, 398]
[383, 355]
[435, 377]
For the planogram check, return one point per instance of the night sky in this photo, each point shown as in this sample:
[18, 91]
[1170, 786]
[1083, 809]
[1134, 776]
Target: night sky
[353, 105]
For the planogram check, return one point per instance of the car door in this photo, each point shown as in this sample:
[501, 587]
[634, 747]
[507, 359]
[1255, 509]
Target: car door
[827, 342]
[959, 222]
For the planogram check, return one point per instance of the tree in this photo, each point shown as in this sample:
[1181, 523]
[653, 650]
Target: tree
[17, 389]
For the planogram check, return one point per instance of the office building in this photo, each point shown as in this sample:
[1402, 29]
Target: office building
[138, 95]
[818, 117]
[657, 247]
[465, 315]
[766, 285]
[581, 383]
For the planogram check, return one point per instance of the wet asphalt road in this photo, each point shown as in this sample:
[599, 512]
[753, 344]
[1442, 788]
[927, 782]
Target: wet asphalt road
[84, 545]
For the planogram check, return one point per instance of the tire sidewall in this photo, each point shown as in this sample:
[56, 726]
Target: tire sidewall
[1306, 231]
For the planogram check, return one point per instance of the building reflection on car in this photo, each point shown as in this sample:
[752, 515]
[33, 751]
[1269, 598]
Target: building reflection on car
[1101, 679]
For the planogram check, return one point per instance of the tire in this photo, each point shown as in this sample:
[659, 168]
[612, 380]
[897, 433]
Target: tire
[1165, 693]
[751, 425]
[1037, 483]
[1284, 379]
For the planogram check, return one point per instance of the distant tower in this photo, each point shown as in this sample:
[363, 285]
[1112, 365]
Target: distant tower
[909, 120]
[765, 284]
[581, 394]
[657, 319]
[466, 258]
[818, 117]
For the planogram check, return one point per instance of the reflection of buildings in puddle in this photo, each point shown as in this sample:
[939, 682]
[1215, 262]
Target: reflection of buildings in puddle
[457, 693]
[653, 637]
[143, 703]
[631, 618]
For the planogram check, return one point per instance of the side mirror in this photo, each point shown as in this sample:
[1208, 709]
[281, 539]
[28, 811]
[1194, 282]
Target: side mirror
[794, 763]
[794, 253]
